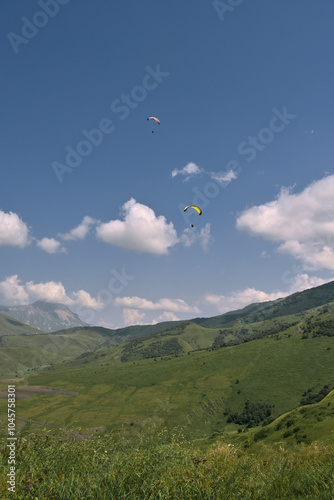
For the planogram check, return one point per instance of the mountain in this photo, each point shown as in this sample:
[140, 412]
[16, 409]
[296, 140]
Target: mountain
[264, 363]
[204, 391]
[293, 304]
[46, 316]
[10, 326]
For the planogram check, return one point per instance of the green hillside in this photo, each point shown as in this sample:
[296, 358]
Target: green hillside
[176, 373]
[124, 334]
[198, 390]
[23, 348]
[162, 339]
[244, 410]
[21, 353]
[293, 304]
[303, 425]
[11, 326]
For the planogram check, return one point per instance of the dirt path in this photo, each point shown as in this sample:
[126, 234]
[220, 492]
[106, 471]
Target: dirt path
[299, 330]
[26, 391]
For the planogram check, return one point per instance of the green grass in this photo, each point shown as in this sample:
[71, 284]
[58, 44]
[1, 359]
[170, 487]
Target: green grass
[11, 326]
[293, 304]
[22, 353]
[192, 390]
[141, 429]
[163, 464]
[305, 424]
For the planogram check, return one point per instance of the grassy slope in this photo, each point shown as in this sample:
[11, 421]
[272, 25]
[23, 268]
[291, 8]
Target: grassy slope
[22, 353]
[190, 337]
[304, 424]
[293, 304]
[192, 389]
[11, 326]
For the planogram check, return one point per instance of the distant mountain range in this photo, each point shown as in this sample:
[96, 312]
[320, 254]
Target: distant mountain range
[45, 316]
[292, 304]
[52, 317]
[224, 374]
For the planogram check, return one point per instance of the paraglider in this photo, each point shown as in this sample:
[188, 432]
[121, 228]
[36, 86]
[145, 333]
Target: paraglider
[155, 119]
[195, 207]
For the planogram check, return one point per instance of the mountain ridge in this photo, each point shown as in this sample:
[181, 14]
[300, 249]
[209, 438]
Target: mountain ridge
[45, 316]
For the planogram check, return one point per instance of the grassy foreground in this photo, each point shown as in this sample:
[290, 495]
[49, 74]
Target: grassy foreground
[164, 465]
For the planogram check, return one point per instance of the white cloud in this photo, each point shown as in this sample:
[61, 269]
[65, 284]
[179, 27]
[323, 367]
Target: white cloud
[265, 254]
[135, 317]
[81, 231]
[303, 281]
[165, 316]
[14, 293]
[303, 222]
[84, 299]
[189, 169]
[203, 237]
[140, 230]
[50, 245]
[242, 298]
[313, 254]
[223, 177]
[239, 299]
[13, 231]
[132, 317]
[106, 324]
[49, 291]
[175, 305]
[188, 237]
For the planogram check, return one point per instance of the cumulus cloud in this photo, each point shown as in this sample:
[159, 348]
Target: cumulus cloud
[50, 291]
[84, 299]
[303, 222]
[265, 254]
[135, 317]
[81, 231]
[13, 292]
[188, 237]
[203, 237]
[239, 299]
[50, 245]
[242, 298]
[13, 231]
[165, 316]
[224, 177]
[132, 317]
[313, 254]
[303, 281]
[191, 169]
[171, 305]
[140, 230]
[106, 324]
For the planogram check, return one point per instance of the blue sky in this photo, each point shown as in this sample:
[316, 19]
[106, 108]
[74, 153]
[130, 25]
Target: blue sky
[91, 200]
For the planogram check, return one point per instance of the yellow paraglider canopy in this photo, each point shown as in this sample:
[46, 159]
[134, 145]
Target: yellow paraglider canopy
[154, 118]
[198, 210]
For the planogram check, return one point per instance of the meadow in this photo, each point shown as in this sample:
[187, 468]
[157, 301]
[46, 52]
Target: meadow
[163, 464]
[236, 412]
